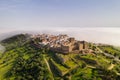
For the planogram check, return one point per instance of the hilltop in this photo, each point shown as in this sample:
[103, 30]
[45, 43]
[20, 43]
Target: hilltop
[57, 57]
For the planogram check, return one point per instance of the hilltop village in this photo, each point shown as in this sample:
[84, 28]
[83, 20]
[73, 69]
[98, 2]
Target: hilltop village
[60, 43]
[58, 57]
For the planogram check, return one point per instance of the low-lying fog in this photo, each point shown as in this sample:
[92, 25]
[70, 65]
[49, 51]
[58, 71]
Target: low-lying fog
[2, 48]
[99, 35]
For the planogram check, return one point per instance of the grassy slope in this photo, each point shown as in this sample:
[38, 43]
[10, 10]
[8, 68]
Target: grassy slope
[7, 61]
[78, 64]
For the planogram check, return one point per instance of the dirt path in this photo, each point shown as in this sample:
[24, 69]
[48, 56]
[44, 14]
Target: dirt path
[111, 67]
[48, 66]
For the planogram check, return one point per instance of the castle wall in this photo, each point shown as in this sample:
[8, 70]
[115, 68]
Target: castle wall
[81, 45]
[66, 49]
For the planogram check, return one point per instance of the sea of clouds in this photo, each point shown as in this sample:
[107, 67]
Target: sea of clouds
[97, 35]
[2, 49]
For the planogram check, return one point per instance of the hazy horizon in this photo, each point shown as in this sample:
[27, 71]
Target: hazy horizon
[91, 20]
[97, 35]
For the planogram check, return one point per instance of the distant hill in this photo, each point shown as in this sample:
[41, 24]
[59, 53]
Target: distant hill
[8, 34]
[15, 38]
[15, 41]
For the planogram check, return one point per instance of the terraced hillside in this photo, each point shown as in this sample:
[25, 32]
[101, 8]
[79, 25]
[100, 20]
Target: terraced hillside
[26, 62]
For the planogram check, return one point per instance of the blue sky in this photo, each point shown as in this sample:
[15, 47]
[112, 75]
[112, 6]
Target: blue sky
[45, 14]
[81, 18]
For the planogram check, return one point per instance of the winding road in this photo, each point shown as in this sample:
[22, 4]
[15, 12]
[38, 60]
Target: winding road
[108, 55]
